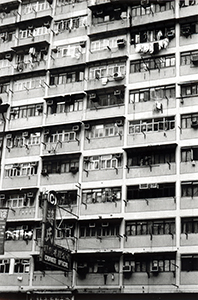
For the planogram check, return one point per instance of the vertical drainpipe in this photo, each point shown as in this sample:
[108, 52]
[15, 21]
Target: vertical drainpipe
[178, 156]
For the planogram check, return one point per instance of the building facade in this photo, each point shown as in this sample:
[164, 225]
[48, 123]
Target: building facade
[99, 104]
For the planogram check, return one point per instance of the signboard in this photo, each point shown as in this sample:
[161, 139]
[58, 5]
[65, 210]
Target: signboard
[52, 254]
[3, 218]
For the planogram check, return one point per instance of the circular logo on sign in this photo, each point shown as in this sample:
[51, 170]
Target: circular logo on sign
[52, 197]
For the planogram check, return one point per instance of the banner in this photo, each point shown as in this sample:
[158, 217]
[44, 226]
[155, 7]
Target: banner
[3, 219]
[52, 254]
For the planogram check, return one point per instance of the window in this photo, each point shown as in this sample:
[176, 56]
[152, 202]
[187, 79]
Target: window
[105, 130]
[187, 120]
[109, 14]
[152, 157]
[152, 94]
[4, 88]
[64, 2]
[187, 29]
[31, 33]
[65, 78]
[189, 154]
[189, 225]
[94, 229]
[71, 24]
[67, 198]
[150, 227]
[156, 63]
[187, 57]
[21, 169]
[21, 266]
[20, 200]
[101, 195]
[66, 230]
[26, 111]
[60, 136]
[154, 8]
[163, 191]
[28, 84]
[6, 36]
[4, 265]
[189, 89]
[35, 7]
[103, 162]
[61, 165]
[163, 264]
[189, 262]
[106, 100]
[151, 125]
[102, 71]
[189, 189]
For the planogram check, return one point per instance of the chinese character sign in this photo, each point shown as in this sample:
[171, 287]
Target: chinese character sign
[3, 218]
[52, 254]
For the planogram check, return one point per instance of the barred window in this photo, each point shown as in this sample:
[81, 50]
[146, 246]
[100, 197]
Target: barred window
[189, 89]
[154, 63]
[189, 225]
[151, 125]
[150, 227]
[101, 195]
[4, 265]
[21, 169]
[152, 94]
[103, 162]
[162, 191]
[105, 229]
[189, 189]
[21, 266]
[189, 154]
[60, 166]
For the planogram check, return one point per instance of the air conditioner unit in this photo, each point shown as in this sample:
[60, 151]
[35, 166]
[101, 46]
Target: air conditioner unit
[83, 44]
[13, 111]
[93, 97]
[47, 25]
[127, 269]
[73, 170]
[145, 3]
[87, 126]
[30, 195]
[118, 76]
[9, 56]
[194, 123]
[186, 31]
[154, 266]
[194, 59]
[2, 196]
[92, 225]
[25, 134]
[106, 224]
[44, 172]
[8, 136]
[154, 186]
[46, 132]
[44, 50]
[119, 123]
[117, 92]
[39, 108]
[75, 128]
[121, 43]
[86, 159]
[50, 102]
[143, 186]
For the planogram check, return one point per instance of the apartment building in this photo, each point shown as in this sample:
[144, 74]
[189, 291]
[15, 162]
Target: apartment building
[99, 107]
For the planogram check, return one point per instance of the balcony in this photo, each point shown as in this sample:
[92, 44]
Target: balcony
[61, 118]
[108, 53]
[116, 25]
[23, 151]
[13, 280]
[188, 278]
[20, 182]
[36, 10]
[151, 137]
[99, 280]
[64, 10]
[28, 93]
[58, 62]
[22, 123]
[100, 175]
[99, 243]
[189, 133]
[21, 213]
[187, 10]
[61, 147]
[7, 45]
[189, 167]
[186, 41]
[68, 88]
[189, 202]
[98, 208]
[188, 100]
[104, 112]
[189, 69]
[51, 279]
[20, 245]
[104, 142]
[153, 13]
[150, 241]
[153, 170]
[188, 239]
[150, 204]
[152, 75]
[160, 279]
[70, 34]
[54, 179]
